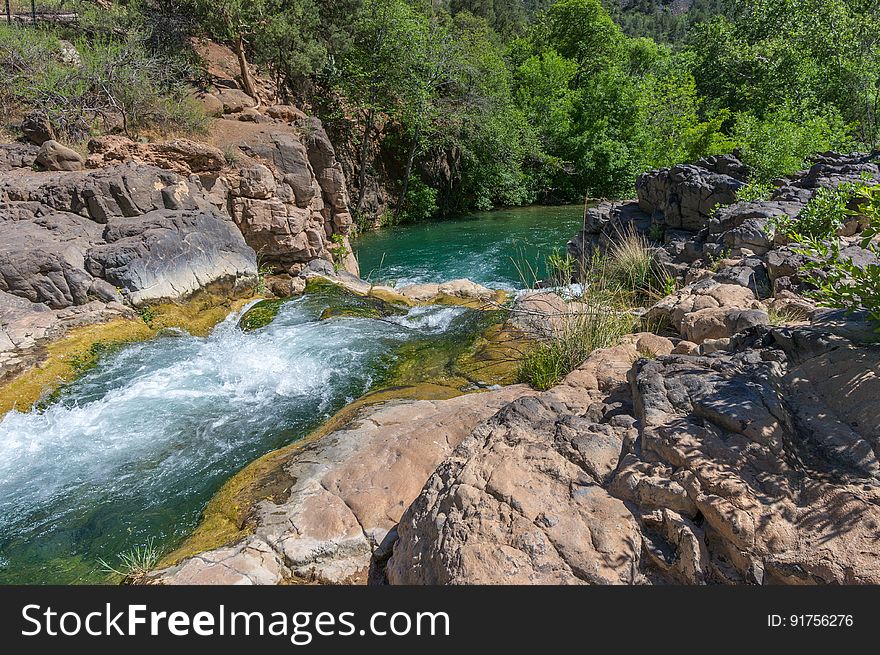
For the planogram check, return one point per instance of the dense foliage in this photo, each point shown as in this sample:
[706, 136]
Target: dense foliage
[483, 103]
[98, 81]
[837, 279]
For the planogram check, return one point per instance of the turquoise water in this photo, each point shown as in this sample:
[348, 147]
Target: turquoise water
[131, 452]
[492, 248]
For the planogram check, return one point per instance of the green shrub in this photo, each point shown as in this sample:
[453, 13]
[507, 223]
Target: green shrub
[755, 190]
[821, 218]
[838, 281]
[113, 85]
[420, 204]
[339, 251]
[779, 142]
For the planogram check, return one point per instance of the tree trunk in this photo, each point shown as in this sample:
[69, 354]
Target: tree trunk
[362, 173]
[250, 87]
[409, 164]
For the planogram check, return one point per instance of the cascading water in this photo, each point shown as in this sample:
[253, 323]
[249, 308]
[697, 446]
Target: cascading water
[133, 450]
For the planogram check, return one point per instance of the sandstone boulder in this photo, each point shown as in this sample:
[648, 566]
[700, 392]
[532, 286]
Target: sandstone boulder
[234, 100]
[182, 156]
[55, 157]
[467, 289]
[521, 500]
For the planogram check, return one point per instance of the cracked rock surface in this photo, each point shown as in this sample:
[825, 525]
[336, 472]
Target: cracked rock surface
[758, 465]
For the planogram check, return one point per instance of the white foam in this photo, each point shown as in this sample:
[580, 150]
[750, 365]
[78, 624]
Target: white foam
[160, 411]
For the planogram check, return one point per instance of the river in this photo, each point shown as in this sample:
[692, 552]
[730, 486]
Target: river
[132, 451]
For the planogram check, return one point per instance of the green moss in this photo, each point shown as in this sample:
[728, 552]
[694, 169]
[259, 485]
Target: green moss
[345, 302]
[261, 314]
[64, 360]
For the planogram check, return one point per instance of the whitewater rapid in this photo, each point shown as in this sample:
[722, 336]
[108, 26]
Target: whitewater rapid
[133, 449]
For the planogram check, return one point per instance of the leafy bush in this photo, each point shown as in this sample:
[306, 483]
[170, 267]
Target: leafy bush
[108, 85]
[421, 202]
[778, 143]
[755, 190]
[838, 281]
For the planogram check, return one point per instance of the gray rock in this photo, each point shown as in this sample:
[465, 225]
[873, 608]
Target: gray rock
[37, 128]
[17, 155]
[170, 254]
[685, 195]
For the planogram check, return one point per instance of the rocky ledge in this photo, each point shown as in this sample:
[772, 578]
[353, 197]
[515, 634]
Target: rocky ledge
[730, 451]
[328, 504]
[87, 239]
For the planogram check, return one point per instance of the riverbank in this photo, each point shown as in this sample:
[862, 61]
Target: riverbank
[703, 457]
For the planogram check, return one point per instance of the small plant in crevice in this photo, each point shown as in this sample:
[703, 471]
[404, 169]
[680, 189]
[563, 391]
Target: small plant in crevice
[148, 315]
[340, 252]
[715, 262]
[755, 190]
[779, 317]
[231, 154]
[263, 271]
[135, 564]
[656, 233]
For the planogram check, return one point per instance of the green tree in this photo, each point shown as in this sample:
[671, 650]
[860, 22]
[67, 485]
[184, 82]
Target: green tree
[380, 63]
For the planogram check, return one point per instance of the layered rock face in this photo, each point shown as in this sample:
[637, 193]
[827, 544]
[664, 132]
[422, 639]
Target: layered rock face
[77, 247]
[292, 203]
[139, 223]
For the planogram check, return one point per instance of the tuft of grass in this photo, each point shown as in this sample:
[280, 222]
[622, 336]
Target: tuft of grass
[587, 328]
[231, 154]
[779, 317]
[631, 265]
[136, 564]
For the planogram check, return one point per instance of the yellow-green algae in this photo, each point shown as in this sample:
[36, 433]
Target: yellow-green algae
[63, 360]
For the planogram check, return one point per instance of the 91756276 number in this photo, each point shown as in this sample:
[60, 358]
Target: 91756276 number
[810, 621]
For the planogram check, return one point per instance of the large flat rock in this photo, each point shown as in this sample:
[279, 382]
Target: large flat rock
[343, 493]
